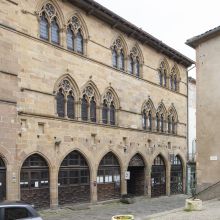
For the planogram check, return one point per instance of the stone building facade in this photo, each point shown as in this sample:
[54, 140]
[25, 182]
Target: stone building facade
[96, 97]
[207, 104]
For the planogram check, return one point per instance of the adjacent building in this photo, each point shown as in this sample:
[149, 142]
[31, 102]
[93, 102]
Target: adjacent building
[87, 100]
[207, 48]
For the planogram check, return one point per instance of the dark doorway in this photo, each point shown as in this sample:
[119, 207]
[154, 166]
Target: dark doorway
[74, 181]
[109, 178]
[34, 182]
[176, 176]
[158, 177]
[136, 185]
[2, 180]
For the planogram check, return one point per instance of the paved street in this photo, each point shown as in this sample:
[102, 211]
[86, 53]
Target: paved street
[140, 209]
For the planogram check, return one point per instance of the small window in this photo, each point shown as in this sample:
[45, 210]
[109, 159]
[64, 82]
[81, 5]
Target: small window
[60, 104]
[112, 114]
[173, 125]
[79, 42]
[150, 121]
[131, 65]
[171, 82]
[44, 27]
[114, 58]
[121, 61]
[161, 78]
[161, 122]
[70, 106]
[93, 110]
[144, 120]
[70, 39]
[105, 113]
[169, 124]
[175, 83]
[54, 32]
[158, 122]
[165, 78]
[84, 110]
[137, 68]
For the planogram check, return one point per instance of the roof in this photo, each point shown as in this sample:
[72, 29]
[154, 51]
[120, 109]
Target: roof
[195, 41]
[115, 21]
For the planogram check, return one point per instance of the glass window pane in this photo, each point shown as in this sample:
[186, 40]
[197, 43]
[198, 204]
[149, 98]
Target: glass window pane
[70, 39]
[84, 109]
[70, 106]
[79, 42]
[93, 110]
[54, 32]
[44, 28]
[60, 104]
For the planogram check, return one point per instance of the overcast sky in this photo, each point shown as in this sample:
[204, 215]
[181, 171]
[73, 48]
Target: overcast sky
[172, 21]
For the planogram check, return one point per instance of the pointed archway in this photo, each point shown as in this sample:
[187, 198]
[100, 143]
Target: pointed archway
[158, 177]
[136, 185]
[74, 179]
[34, 181]
[2, 180]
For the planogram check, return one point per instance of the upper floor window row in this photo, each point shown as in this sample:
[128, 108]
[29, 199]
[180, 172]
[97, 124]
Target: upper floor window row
[130, 62]
[50, 29]
[169, 79]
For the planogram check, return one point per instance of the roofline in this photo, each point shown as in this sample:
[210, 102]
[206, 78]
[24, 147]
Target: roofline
[115, 21]
[195, 41]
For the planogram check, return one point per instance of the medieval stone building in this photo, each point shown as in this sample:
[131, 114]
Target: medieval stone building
[85, 97]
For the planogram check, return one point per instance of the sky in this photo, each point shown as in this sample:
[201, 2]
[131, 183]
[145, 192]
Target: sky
[171, 21]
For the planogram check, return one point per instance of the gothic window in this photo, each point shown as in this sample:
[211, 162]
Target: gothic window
[173, 125]
[165, 78]
[54, 32]
[169, 124]
[149, 120]
[163, 71]
[137, 67]
[79, 42]
[44, 27]
[161, 123]
[144, 120]
[93, 110]
[49, 28]
[121, 60]
[70, 106]
[174, 79]
[161, 78]
[158, 121]
[175, 83]
[171, 82]
[60, 103]
[105, 112]
[112, 114]
[114, 58]
[70, 39]
[131, 65]
[84, 108]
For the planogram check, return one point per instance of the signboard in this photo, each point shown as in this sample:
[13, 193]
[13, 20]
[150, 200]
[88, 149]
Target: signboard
[213, 158]
[127, 175]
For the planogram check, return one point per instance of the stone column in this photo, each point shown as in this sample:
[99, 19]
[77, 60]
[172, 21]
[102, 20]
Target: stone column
[12, 183]
[123, 182]
[168, 168]
[94, 185]
[54, 187]
[148, 181]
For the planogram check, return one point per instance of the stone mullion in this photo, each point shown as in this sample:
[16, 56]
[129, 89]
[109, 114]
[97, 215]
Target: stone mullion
[65, 106]
[98, 114]
[79, 108]
[62, 36]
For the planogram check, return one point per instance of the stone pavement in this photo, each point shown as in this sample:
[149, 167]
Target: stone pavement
[142, 208]
[211, 211]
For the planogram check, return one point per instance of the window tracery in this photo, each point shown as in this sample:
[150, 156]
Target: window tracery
[147, 116]
[172, 120]
[163, 74]
[174, 82]
[161, 118]
[134, 62]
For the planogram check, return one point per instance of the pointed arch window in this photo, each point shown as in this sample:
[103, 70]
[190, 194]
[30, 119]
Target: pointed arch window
[144, 118]
[44, 27]
[169, 124]
[121, 60]
[150, 120]
[114, 58]
[70, 39]
[161, 78]
[60, 103]
[105, 112]
[79, 42]
[54, 32]
[131, 65]
[173, 125]
[165, 78]
[158, 121]
[93, 110]
[70, 106]
[171, 82]
[112, 114]
[137, 67]
[175, 83]
[84, 108]
[161, 123]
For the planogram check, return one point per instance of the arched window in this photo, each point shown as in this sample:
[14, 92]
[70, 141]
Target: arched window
[131, 65]
[149, 120]
[144, 120]
[173, 125]
[93, 110]
[105, 112]
[175, 83]
[70, 106]
[70, 39]
[112, 114]
[60, 103]
[114, 58]
[158, 121]
[165, 78]
[137, 67]
[44, 27]
[169, 124]
[161, 122]
[84, 109]
[121, 60]
[171, 82]
[54, 32]
[161, 78]
[79, 42]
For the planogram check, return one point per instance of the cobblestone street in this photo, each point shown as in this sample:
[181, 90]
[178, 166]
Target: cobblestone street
[140, 209]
